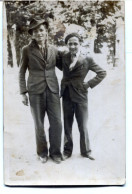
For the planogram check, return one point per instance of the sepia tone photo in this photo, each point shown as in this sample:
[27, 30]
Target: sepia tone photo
[64, 93]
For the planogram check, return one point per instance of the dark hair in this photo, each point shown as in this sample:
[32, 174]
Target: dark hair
[72, 35]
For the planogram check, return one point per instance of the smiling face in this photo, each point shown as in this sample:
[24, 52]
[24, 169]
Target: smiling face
[39, 33]
[73, 45]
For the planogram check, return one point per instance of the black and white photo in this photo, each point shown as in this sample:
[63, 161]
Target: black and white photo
[64, 93]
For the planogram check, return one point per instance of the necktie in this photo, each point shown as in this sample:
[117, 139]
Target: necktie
[43, 51]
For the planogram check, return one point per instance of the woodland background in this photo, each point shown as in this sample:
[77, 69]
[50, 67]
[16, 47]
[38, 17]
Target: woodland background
[99, 22]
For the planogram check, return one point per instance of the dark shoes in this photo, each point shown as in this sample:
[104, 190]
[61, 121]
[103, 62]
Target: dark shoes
[66, 156]
[88, 156]
[56, 159]
[43, 159]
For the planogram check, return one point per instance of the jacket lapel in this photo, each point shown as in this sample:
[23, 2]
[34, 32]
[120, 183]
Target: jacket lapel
[37, 53]
[49, 53]
[68, 61]
[79, 63]
[35, 50]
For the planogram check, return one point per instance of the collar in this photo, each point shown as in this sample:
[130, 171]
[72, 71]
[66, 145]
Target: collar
[35, 43]
[41, 45]
[75, 55]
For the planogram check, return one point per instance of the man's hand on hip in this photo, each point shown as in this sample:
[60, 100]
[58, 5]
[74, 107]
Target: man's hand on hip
[85, 85]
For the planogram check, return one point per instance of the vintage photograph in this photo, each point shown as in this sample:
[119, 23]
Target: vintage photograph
[64, 93]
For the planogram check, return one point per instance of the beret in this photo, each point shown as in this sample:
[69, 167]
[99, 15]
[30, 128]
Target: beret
[72, 35]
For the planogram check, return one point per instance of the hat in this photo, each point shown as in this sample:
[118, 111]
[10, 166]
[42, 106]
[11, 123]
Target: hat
[72, 35]
[34, 23]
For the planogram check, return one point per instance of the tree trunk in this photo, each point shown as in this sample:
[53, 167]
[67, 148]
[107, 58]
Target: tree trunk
[12, 39]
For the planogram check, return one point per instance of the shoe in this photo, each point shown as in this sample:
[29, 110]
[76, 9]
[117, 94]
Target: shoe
[43, 159]
[66, 156]
[56, 159]
[88, 156]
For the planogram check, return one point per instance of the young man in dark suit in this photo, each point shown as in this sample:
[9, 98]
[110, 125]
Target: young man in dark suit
[42, 86]
[74, 90]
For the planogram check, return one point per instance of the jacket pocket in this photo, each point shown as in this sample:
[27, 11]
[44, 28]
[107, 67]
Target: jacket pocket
[79, 87]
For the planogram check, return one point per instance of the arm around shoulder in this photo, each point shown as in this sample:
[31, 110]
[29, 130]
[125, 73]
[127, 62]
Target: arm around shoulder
[59, 60]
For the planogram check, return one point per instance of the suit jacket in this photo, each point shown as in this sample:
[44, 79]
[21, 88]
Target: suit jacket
[41, 71]
[74, 79]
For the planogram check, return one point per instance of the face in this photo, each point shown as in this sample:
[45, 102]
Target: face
[39, 33]
[73, 45]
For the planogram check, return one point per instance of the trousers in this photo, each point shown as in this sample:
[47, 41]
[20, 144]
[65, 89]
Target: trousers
[49, 103]
[80, 110]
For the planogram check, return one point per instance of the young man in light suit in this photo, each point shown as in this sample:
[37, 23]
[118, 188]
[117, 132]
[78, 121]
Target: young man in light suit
[74, 91]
